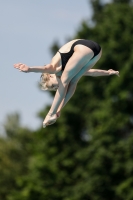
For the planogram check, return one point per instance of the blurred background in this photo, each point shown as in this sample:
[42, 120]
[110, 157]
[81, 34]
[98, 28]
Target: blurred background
[27, 31]
[88, 153]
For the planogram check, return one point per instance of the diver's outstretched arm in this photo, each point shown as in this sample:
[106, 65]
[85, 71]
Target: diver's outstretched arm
[72, 86]
[50, 118]
[70, 92]
[38, 69]
[99, 72]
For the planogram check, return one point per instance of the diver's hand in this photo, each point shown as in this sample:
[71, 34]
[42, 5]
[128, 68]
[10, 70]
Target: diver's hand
[49, 120]
[21, 67]
[113, 72]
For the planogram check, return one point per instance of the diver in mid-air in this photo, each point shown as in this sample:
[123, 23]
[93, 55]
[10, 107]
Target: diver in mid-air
[73, 60]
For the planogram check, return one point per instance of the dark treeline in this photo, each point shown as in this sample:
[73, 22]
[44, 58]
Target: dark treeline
[88, 153]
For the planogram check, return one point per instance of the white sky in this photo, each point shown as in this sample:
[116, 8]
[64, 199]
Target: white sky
[27, 30]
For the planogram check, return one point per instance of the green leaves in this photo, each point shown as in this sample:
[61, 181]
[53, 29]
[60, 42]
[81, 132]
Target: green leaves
[87, 153]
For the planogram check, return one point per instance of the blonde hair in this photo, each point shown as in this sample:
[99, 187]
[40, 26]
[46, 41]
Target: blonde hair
[45, 82]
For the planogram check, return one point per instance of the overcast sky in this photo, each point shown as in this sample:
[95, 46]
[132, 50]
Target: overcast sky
[27, 30]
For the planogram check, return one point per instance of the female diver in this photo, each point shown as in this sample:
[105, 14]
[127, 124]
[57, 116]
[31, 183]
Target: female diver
[73, 60]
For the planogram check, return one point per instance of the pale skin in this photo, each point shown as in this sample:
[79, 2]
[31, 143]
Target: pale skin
[65, 82]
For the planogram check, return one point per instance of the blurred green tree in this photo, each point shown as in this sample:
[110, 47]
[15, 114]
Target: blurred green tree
[87, 154]
[15, 150]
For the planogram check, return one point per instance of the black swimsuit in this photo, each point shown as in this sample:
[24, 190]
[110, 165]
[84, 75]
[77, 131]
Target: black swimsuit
[88, 43]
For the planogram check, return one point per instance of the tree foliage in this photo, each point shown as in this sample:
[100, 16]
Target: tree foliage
[87, 154]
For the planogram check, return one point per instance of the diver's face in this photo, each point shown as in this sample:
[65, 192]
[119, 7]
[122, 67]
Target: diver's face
[53, 81]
